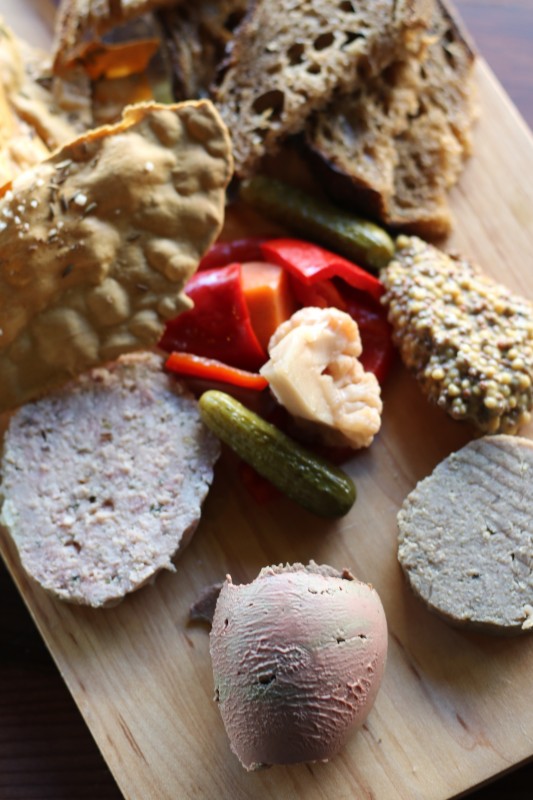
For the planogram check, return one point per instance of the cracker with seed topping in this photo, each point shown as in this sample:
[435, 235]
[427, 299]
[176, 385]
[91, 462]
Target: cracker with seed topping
[98, 241]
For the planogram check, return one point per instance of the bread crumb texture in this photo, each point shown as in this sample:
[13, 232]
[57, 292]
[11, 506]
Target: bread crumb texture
[288, 60]
[99, 240]
[399, 141]
[466, 536]
[103, 481]
[467, 339]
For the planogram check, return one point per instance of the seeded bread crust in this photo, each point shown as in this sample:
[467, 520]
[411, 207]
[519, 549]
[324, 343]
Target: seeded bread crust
[115, 469]
[287, 59]
[466, 536]
[396, 145]
[100, 239]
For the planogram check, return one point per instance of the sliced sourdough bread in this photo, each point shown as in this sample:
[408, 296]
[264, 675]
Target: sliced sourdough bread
[397, 144]
[103, 481]
[287, 59]
[196, 36]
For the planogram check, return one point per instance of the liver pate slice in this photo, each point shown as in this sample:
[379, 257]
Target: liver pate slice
[466, 536]
[103, 481]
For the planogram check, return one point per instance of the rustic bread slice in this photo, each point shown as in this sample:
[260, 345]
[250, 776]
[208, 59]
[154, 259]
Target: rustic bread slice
[287, 59]
[196, 35]
[99, 240]
[466, 536]
[116, 466]
[400, 142]
[80, 21]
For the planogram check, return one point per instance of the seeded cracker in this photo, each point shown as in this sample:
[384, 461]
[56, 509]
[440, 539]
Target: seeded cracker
[98, 241]
[467, 339]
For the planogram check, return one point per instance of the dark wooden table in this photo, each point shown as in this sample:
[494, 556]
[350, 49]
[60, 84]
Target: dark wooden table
[46, 751]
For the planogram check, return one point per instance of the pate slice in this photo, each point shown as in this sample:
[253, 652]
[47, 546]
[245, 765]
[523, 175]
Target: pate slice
[466, 536]
[116, 467]
[98, 241]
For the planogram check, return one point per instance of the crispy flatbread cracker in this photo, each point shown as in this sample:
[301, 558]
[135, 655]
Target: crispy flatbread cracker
[58, 108]
[97, 242]
[80, 21]
[20, 147]
[38, 111]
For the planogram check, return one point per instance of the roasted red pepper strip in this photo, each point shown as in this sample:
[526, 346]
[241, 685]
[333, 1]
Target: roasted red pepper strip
[371, 317]
[219, 324]
[239, 250]
[322, 294]
[261, 490]
[310, 263]
[212, 370]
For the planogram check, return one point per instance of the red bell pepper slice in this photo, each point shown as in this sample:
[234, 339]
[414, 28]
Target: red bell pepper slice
[376, 335]
[212, 370]
[219, 324]
[260, 489]
[221, 254]
[371, 318]
[322, 294]
[310, 263]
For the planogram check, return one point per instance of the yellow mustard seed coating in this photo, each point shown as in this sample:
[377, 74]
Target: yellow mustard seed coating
[466, 338]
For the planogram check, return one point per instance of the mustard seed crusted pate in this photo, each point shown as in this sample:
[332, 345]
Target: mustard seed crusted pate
[466, 338]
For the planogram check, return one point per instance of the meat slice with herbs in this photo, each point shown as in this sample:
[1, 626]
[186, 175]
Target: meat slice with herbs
[103, 481]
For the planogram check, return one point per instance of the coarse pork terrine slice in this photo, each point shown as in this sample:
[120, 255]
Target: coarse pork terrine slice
[103, 481]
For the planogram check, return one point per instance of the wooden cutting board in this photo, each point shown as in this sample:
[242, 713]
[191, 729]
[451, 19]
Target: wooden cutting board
[455, 708]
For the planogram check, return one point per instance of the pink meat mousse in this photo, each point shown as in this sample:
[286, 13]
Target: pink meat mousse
[298, 657]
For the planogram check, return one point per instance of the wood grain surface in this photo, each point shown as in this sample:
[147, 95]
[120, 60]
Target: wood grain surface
[46, 750]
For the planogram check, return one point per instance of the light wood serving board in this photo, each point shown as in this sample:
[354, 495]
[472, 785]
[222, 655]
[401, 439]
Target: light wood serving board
[455, 708]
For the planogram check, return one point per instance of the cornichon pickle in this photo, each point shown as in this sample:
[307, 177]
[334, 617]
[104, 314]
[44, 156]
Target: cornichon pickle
[311, 481]
[350, 235]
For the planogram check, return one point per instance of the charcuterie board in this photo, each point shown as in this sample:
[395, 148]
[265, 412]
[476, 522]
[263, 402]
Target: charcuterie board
[455, 707]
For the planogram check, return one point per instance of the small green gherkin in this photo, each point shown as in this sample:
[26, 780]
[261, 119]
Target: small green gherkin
[309, 480]
[351, 236]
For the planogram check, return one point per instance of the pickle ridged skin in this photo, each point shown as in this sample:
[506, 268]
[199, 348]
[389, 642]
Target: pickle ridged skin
[351, 236]
[320, 487]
